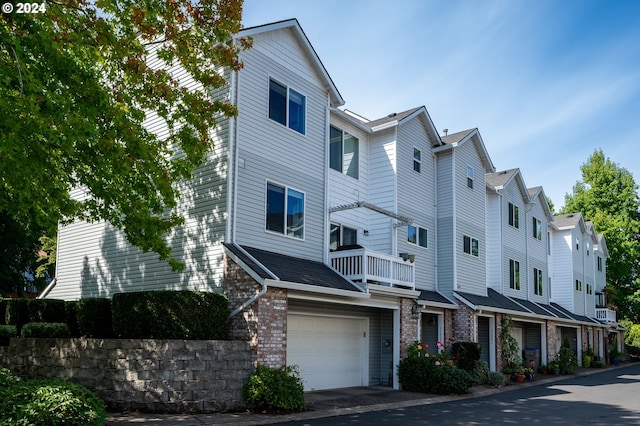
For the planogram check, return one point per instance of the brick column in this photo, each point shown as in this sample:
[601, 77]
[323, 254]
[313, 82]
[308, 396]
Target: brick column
[408, 325]
[552, 348]
[272, 328]
[464, 324]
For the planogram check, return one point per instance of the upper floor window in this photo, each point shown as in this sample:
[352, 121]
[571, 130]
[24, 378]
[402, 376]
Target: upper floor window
[417, 235]
[340, 236]
[577, 243]
[589, 288]
[417, 160]
[470, 245]
[537, 281]
[588, 249]
[470, 177]
[343, 152]
[599, 264]
[549, 243]
[285, 211]
[578, 285]
[514, 274]
[537, 229]
[514, 216]
[287, 107]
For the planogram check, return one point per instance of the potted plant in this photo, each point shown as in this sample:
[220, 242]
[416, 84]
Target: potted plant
[566, 358]
[614, 356]
[520, 374]
[587, 357]
[509, 349]
[554, 366]
[543, 369]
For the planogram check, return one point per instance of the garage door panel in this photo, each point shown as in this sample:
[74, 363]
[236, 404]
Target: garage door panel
[329, 351]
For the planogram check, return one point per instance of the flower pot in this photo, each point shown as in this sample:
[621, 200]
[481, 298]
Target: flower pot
[556, 371]
[520, 378]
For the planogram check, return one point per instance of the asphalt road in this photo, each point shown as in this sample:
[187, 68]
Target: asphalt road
[608, 398]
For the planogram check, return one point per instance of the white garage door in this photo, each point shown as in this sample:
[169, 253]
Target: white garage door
[330, 352]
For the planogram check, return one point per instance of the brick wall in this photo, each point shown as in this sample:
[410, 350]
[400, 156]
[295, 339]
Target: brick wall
[552, 347]
[173, 376]
[272, 328]
[464, 324]
[408, 325]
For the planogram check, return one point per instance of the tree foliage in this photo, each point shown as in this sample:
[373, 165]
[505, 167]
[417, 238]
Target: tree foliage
[77, 87]
[607, 195]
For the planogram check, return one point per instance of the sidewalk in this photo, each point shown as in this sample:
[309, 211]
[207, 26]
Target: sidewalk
[335, 403]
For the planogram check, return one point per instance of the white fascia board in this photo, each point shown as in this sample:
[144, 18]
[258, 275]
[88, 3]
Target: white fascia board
[316, 289]
[385, 126]
[428, 304]
[391, 291]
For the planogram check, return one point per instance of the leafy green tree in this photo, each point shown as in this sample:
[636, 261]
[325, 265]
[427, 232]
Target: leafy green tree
[607, 195]
[77, 84]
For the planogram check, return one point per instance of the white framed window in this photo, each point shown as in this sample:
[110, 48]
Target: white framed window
[548, 243]
[470, 245]
[537, 281]
[578, 285]
[287, 106]
[285, 211]
[342, 236]
[418, 235]
[599, 264]
[417, 160]
[589, 288]
[514, 215]
[537, 229]
[470, 177]
[514, 274]
[577, 243]
[343, 152]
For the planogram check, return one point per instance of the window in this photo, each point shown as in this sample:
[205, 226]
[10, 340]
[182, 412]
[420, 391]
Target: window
[514, 216]
[537, 281]
[514, 274]
[340, 236]
[285, 211]
[588, 249]
[417, 159]
[343, 152]
[470, 177]
[549, 243]
[537, 229]
[599, 264]
[417, 235]
[287, 107]
[589, 288]
[578, 285]
[470, 245]
[577, 243]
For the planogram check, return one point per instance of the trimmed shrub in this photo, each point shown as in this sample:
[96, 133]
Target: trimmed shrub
[3, 311]
[480, 373]
[94, 317]
[496, 379]
[47, 402]
[6, 333]
[17, 313]
[171, 315]
[71, 315]
[274, 390]
[46, 310]
[422, 372]
[466, 354]
[45, 329]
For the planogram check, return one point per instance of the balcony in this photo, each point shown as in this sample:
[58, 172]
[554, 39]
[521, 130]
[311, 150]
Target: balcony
[372, 267]
[606, 315]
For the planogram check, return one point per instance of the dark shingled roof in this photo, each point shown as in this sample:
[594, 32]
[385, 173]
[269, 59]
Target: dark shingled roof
[499, 179]
[392, 117]
[293, 269]
[534, 307]
[456, 137]
[493, 299]
[433, 296]
[559, 311]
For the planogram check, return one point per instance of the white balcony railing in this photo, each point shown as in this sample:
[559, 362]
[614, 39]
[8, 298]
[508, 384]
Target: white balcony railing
[606, 314]
[368, 266]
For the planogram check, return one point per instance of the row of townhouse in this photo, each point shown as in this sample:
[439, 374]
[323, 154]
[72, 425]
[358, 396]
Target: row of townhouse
[340, 240]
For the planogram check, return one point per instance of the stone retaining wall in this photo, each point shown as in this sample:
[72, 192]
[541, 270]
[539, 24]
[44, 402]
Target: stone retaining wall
[173, 376]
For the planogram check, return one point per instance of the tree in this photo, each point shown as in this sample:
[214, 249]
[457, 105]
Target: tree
[608, 196]
[76, 86]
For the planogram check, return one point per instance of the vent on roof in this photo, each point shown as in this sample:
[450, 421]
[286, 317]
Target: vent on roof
[569, 215]
[393, 114]
[445, 131]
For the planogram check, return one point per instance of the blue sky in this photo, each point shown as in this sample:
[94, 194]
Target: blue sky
[546, 82]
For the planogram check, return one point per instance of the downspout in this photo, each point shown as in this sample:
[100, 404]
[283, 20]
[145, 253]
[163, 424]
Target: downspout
[325, 242]
[526, 249]
[234, 137]
[232, 160]
[54, 281]
[394, 229]
[500, 227]
[435, 225]
[261, 281]
[454, 221]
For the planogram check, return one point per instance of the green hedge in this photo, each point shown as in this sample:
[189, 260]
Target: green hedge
[17, 312]
[171, 315]
[45, 329]
[47, 402]
[46, 310]
[274, 390]
[3, 311]
[6, 333]
[94, 317]
[466, 354]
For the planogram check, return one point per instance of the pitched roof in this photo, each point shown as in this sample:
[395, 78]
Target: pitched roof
[294, 25]
[434, 297]
[456, 137]
[282, 267]
[493, 299]
[498, 180]
[399, 116]
[473, 135]
[567, 221]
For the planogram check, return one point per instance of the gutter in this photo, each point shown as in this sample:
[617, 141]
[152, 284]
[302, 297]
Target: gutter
[48, 289]
[262, 281]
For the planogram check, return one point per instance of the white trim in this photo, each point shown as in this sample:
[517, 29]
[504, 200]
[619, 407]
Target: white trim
[316, 289]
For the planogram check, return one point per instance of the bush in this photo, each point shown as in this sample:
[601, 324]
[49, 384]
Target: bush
[466, 354]
[274, 390]
[71, 315]
[496, 379]
[480, 373]
[45, 329]
[94, 317]
[3, 311]
[46, 310]
[422, 372]
[47, 402]
[6, 333]
[17, 313]
[171, 315]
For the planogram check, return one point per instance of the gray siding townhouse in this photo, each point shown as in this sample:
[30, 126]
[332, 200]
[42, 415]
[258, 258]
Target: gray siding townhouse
[340, 240]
